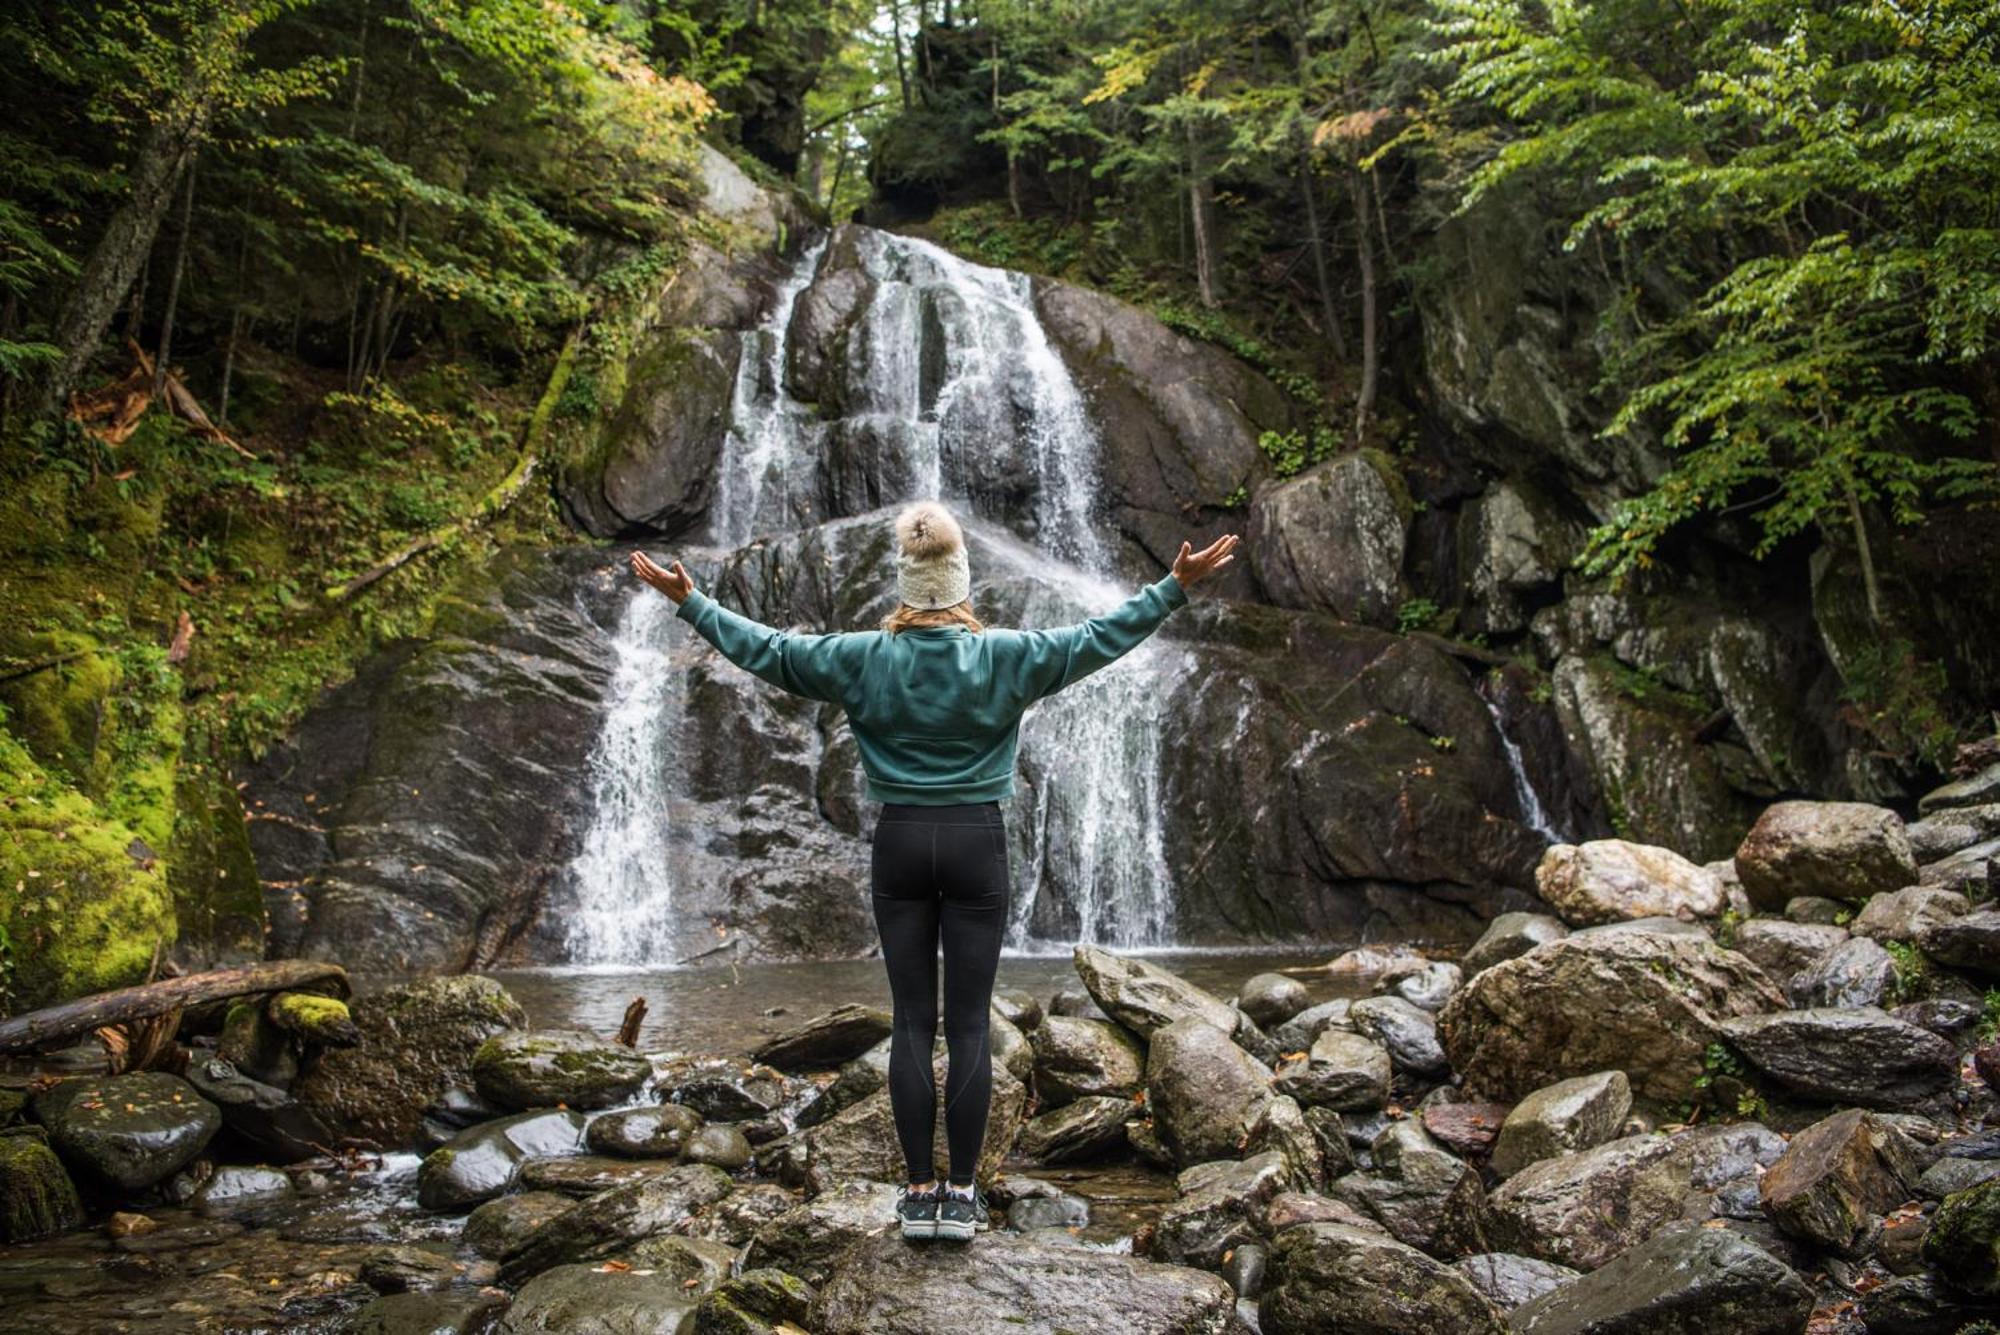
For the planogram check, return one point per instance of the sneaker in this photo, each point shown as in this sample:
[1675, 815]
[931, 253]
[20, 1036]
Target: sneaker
[959, 1217]
[918, 1211]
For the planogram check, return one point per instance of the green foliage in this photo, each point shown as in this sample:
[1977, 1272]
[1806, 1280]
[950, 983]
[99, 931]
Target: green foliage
[1912, 970]
[1898, 698]
[1989, 1016]
[1417, 614]
[1292, 452]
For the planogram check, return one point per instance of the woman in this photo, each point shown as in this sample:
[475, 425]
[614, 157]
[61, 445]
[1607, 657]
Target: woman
[935, 702]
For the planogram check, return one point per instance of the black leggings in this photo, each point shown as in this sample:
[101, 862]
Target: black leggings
[940, 873]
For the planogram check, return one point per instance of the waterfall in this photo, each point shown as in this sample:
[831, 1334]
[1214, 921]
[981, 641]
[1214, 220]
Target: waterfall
[954, 385]
[1533, 814]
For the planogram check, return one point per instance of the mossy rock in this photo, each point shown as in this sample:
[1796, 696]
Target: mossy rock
[544, 1068]
[36, 1196]
[218, 896]
[317, 1019]
[753, 1303]
[1964, 1239]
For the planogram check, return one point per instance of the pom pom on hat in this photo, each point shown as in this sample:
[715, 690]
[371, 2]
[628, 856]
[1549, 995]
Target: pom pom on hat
[931, 568]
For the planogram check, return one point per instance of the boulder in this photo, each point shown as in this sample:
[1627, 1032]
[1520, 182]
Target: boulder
[1080, 1058]
[1022, 1282]
[658, 1132]
[1814, 909]
[827, 1040]
[722, 1089]
[545, 1068]
[1973, 872]
[1782, 948]
[406, 1269]
[1918, 1305]
[1423, 1195]
[37, 1197]
[1297, 1034]
[807, 1239]
[235, 1187]
[1331, 539]
[1570, 1115]
[1083, 1129]
[1204, 1092]
[1901, 914]
[860, 1141]
[718, 1143]
[449, 1313]
[1281, 1125]
[1468, 1129]
[1831, 1181]
[1857, 973]
[1975, 790]
[1861, 1056]
[1407, 1032]
[586, 1174]
[483, 1162]
[1272, 998]
[1431, 986]
[417, 1040]
[1952, 830]
[1507, 1281]
[1641, 1002]
[1971, 942]
[1335, 1277]
[1841, 850]
[1144, 997]
[499, 1226]
[1511, 935]
[611, 1221]
[1342, 1071]
[756, 1302]
[1682, 1279]
[1613, 880]
[1964, 1240]
[1217, 1210]
[1513, 540]
[602, 1301]
[127, 1132]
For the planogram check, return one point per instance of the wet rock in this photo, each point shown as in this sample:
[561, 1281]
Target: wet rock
[1084, 1129]
[1018, 1007]
[417, 1041]
[585, 1174]
[1917, 1305]
[1858, 973]
[806, 1239]
[1342, 1071]
[1977, 790]
[720, 1144]
[1816, 909]
[1858, 1056]
[1973, 872]
[1144, 997]
[1465, 1128]
[425, 1314]
[252, 1042]
[234, 1187]
[1971, 942]
[1613, 880]
[403, 1269]
[1010, 1047]
[1841, 850]
[1333, 1277]
[1951, 1175]
[1297, 1034]
[1081, 1058]
[550, 1067]
[1512, 541]
[1947, 1017]
[1331, 539]
[1831, 1181]
[1641, 1002]
[1288, 1208]
[861, 1141]
[743, 1212]
[1782, 948]
[827, 1040]
[1408, 1033]
[1061, 1210]
[1244, 1270]
[1953, 830]
[592, 1298]
[1964, 1240]
[127, 1132]
[1273, 998]
[1900, 914]
[1281, 1126]
[1430, 987]
[484, 1162]
[611, 1221]
[1507, 1281]
[725, 1091]
[754, 1303]
[1424, 1196]
[1684, 1278]
[1203, 1090]
[1509, 936]
[698, 1263]
[1217, 1209]
[1570, 1115]
[266, 1116]
[1078, 1003]
[1021, 1282]
[644, 1133]
[498, 1226]
[1648, 926]
[37, 1197]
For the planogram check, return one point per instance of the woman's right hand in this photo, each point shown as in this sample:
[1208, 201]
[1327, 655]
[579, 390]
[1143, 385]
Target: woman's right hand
[675, 583]
[1191, 566]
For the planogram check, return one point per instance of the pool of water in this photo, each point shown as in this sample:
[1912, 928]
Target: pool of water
[734, 1007]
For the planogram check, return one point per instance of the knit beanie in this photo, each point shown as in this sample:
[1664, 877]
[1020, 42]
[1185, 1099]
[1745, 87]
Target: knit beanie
[931, 570]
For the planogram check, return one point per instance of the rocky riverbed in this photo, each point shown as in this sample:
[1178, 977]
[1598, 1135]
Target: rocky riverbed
[1748, 1096]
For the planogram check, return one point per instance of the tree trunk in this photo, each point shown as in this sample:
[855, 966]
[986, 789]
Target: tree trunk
[56, 1024]
[896, 41]
[1201, 211]
[1371, 352]
[161, 360]
[1328, 312]
[128, 238]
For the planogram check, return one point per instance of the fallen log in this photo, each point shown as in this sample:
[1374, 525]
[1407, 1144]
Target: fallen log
[72, 1019]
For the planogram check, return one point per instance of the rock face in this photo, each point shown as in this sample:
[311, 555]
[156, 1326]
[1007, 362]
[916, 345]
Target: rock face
[1842, 850]
[1681, 1279]
[1333, 1277]
[1861, 1056]
[543, 1068]
[1645, 1003]
[418, 1039]
[127, 1132]
[1611, 880]
[1029, 1283]
[1332, 539]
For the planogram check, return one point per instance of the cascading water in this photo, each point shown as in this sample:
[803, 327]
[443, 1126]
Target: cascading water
[953, 381]
[1533, 814]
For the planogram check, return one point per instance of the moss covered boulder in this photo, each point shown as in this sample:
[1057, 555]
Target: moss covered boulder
[36, 1196]
[127, 1132]
[547, 1067]
[1964, 1239]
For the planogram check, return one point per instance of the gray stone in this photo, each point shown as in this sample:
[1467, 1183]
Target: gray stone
[1952, 830]
[1144, 997]
[1512, 541]
[544, 1068]
[1973, 872]
[1204, 1092]
[754, 1303]
[825, 1041]
[586, 1174]
[1971, 942]
[1900, 914]
[484, 1162]
[1857, 973]
[1511, 935]
[1082, 1058]
[1570, 1115]
[1272, 998]
[458, 1313]
[127, 1132]
[1978, 790]
[1858, 1056]
[1424, 1196]
[1334, 1277]
[1509, 1281]
[1217, 1209]
[406, 1269]
[611, 1221]
[1331, 539]
[1614, 880]
[644, 1133]
[1842, 850]
[1832, 1180]
[1679, 1281]
[1083, 1129]
[498, 1226]
[1782, 948]
[720, 1144]
[1407, 1032]
[807, 1239]
[1816, 909]
[1430, 987]
[591, 1300]
[1297, 1034]
[1342, 1071]
[235, 1187]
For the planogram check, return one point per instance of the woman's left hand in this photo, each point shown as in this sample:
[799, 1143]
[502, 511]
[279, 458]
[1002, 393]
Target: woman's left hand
[675, 583]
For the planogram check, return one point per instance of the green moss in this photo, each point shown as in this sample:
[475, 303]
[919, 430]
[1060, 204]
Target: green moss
[1964, 1239]
[37, 1197]
[323, 1019]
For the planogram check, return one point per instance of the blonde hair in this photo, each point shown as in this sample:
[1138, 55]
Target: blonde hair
[906, 617]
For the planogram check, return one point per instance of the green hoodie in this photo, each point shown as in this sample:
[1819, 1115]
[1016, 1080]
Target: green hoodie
[936, 712]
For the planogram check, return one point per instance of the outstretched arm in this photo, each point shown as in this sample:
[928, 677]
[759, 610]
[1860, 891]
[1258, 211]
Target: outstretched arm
[805, 665]
[1057, 658]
